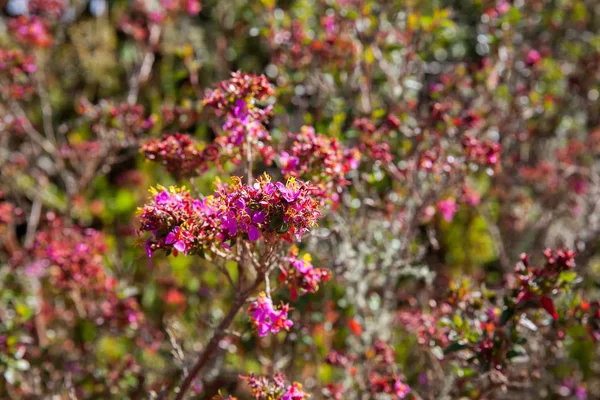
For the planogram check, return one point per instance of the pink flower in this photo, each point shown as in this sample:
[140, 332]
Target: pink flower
[533, 57]
[448, 208]
[294, 392]
[267, 318]
[401, 389]
[289, 191]
[193, 7]
[173, 238]
[288, 162]
[470, 196]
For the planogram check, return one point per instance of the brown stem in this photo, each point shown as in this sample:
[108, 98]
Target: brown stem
[145, 67]
[219, 334]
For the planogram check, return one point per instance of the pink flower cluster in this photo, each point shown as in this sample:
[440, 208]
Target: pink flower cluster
[236, 99]
[480, 152]
[300, 275]
[180, 223]
[384, 384]
[143, 14]
[116, 118]
[192, 7]
[321, 159]
[425, 327]
[375, 141]
[537, 284]
[268, 318]
[448, 208]
[71, 258]
[76, 254]
[48, 8]
[379, 365]
[263, 388]
[31, 30]
[241, 86]
[17, 69]
[589, 315]
[295, 47]
[266, 208]
[183, 116]
[180, 155]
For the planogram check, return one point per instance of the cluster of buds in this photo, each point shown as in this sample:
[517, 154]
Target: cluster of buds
[424, 326]
[289, 46]
[16, 69]
[537, 284]
[320, 159]
[116, 119]
[31, 31]
[248, 88]
[71, 256]
[182, 224]
[390, 385]
[178, 222]
[144, 14]
[588, 313]
[300, 275]
[80, 153]
[236, 99]
[543, 175]
[267, 318]
[192, 7]
[183, 116]
[486, 153]
[12, 125]
[71, 259]
[379, 365]
[470, 321]
[375, 141]
[47, 8]
[180, 155]
[294, 48]
[263, 388]
[338, 359]
[6, 213]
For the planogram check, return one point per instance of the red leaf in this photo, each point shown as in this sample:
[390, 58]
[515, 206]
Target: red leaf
[524, 296]
[294, 294]
[548, 305]
[355, 327]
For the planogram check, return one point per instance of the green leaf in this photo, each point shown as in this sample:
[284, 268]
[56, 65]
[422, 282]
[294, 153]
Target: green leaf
[454, 347]
[85, 331]
[567, 276]
[506, 315]
[458, 322]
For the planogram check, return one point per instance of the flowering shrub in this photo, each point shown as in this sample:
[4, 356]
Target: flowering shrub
[348, 199]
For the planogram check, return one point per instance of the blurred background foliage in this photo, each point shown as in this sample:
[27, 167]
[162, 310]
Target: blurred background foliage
[399, 50]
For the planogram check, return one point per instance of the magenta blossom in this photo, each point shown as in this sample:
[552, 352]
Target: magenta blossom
[448, 208]
[267, 318]
[401, 389]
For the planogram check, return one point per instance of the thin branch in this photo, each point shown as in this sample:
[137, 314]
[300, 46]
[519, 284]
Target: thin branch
[225, 272]
[32, 223]
[46, 107]
[146, 66]
[219, 334]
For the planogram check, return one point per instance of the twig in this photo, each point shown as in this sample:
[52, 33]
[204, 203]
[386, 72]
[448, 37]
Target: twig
[145, 67]
[219, 334]
[225, 272]
[34, 220]
[46, 107]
